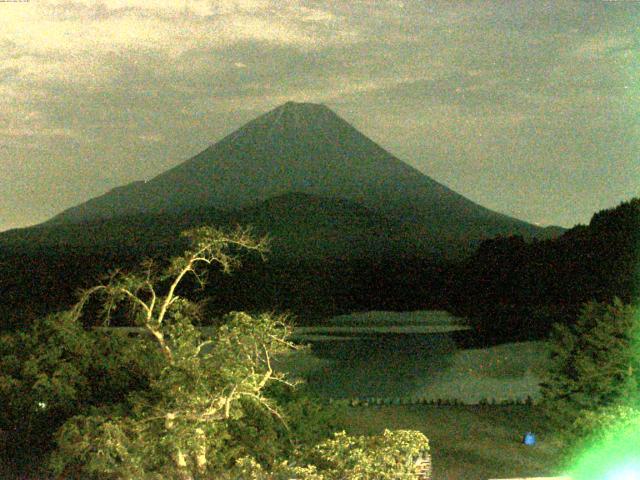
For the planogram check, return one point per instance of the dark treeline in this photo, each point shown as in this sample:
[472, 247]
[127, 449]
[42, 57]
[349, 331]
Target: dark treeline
[309, 289]
[509, 288]
[516, 289]
[315, 289]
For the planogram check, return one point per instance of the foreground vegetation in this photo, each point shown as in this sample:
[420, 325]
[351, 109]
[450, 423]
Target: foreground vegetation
[471, 442]
[175, 404]
[466, 442]
[172, 404]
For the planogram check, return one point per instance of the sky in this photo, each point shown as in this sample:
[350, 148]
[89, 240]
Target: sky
[530, 108]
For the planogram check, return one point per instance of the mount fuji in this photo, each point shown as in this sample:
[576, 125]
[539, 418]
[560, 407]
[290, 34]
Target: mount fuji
[299, 154]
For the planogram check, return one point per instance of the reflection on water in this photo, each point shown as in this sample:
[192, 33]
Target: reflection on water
[385, 346]
[380, 365]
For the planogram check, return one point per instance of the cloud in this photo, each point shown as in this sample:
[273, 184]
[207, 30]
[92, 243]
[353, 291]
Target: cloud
[74, 41]
[101, 93]
[151, 137]
[77, 25]
[36, 132]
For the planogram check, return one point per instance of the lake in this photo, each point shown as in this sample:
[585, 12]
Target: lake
[412, 355]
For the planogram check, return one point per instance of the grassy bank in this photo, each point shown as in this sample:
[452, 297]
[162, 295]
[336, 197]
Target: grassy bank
[418, 366]
[469, 442]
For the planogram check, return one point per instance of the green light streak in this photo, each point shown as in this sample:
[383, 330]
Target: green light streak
[613, 453]
[615, 457]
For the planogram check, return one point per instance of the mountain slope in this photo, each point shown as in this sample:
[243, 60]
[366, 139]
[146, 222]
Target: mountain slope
[298, 224]
[302, 147]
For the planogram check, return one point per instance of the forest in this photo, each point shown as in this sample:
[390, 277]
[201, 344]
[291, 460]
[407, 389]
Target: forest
[178, 404]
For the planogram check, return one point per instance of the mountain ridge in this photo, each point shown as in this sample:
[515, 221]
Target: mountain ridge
[307, 148]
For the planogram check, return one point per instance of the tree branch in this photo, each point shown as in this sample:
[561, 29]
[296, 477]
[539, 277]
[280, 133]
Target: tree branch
[135, 299]
[199, 347]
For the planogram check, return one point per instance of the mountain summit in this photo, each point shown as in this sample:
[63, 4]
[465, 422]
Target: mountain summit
[306, 148]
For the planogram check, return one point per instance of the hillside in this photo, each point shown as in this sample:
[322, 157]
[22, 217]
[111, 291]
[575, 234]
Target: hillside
[352, 226]
[513, 288]
[326, 255]
[298, 224]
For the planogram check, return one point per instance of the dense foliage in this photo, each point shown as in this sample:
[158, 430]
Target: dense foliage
[53, 371]
[510, 287]
[173, 402]
[513, 289]
[597, 425]
[390, 456]
[596, 362]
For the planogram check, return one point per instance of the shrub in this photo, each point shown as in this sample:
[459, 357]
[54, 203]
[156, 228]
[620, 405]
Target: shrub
[604, 422]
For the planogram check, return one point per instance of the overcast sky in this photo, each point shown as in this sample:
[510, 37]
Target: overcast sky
[530, 108]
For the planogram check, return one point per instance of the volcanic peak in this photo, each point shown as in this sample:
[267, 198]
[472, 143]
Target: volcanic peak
[299, 114]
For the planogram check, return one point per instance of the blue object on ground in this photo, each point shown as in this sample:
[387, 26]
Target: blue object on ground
[529, 439]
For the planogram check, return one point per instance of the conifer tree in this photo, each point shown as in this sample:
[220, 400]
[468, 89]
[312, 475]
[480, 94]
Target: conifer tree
[595, 362]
